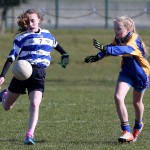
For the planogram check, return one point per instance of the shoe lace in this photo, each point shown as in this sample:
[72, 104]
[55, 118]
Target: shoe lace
[136, 132]
[124, 132]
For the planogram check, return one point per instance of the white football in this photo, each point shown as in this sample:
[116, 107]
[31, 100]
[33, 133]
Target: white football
[22, 70]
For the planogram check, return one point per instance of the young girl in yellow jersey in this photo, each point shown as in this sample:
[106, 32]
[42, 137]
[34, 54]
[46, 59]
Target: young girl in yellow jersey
[135, 71]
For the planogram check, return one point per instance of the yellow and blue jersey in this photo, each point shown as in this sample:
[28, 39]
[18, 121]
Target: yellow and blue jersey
[134, 63]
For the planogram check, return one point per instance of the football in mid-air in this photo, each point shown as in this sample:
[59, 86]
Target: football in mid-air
[22, 70]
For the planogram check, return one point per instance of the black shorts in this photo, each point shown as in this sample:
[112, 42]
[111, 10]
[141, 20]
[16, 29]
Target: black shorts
[35, 82]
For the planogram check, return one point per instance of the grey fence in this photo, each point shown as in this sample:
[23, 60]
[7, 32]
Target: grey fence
[85, 13]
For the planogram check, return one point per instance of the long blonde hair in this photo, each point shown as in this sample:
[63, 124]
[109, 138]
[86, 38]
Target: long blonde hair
[129, 23]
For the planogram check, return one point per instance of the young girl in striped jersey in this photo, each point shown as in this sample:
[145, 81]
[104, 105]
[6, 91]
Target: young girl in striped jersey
[34, 45]
[135, 71]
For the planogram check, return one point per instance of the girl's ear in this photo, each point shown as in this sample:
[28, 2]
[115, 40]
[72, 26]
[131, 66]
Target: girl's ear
[40, 21]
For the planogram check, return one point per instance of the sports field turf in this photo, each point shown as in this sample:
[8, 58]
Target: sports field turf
[77, 111]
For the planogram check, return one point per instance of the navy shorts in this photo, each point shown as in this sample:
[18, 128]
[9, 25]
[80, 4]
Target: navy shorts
[35, 82]
[137, 84]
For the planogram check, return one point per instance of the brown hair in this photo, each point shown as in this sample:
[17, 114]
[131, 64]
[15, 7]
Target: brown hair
[22, 20]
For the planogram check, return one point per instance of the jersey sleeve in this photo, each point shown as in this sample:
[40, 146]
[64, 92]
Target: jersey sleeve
[52, 38]
[15, 50]
[120, 50]
[54, 42]
[132, 48]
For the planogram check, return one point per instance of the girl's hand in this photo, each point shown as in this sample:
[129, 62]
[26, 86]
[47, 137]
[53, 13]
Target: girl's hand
[98, 45]
[64, 60]
[91, 59]
[2, 79]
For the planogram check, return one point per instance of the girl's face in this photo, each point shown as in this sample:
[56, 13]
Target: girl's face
[120, 30]
[33, 22]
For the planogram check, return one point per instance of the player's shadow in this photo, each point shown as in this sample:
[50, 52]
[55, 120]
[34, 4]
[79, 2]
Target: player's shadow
[19, 142]
[92, 142]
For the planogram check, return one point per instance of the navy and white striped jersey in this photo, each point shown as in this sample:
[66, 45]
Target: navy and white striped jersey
[34, 47]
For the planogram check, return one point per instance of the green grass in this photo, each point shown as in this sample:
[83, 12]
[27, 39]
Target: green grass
[77, 111]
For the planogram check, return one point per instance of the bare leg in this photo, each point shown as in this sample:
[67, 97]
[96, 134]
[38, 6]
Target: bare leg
[138, 105]
[121, 90]
[9, 100]
[35, 100]
[139, 110]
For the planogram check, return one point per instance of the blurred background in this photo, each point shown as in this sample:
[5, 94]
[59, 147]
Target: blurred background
[76, 13]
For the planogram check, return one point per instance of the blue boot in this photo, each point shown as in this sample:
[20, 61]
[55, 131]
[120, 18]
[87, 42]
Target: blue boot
[29, 141]
[1, 94]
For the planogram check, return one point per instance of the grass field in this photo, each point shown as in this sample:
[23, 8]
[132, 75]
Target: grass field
[77, 111]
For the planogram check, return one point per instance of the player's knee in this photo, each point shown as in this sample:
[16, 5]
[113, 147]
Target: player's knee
[137, 104]
[6, 107]
[117, 98]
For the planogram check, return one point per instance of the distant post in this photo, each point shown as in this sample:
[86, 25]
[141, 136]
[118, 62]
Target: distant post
[13, 19]
[106, 13]
[5, 5]
[56, 13]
